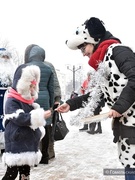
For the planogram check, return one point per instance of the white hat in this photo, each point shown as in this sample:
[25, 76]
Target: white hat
[90, 32]
[4, 52]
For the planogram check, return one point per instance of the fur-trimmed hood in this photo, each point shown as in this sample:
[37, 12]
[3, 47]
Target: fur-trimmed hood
[23, 77]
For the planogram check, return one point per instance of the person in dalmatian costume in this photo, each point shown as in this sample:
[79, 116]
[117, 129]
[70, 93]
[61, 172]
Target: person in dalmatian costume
[107, 53]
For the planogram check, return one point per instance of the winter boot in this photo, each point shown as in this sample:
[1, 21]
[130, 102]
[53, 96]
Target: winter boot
[92, 128]
[99, 129]
[85, 128]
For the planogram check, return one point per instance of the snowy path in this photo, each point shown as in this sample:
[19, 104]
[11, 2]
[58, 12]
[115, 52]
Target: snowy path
[80, 156]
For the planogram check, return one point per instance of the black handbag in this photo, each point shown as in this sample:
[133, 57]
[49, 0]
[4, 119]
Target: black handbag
[59, 129]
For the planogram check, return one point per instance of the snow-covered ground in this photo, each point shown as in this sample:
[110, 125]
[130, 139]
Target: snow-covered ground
[80, 156]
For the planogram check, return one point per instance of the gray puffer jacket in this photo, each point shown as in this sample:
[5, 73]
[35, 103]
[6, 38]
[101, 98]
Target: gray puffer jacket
[35, 55]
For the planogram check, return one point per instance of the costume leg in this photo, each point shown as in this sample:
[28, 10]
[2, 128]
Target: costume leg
[99, 129]
[85, 127]
[11, 173]
[92, 128]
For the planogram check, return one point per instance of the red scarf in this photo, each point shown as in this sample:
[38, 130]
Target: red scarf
[14, 94]
[99, 54]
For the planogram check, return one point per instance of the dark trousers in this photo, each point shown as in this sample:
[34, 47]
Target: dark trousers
[12, 172]
[44, 146]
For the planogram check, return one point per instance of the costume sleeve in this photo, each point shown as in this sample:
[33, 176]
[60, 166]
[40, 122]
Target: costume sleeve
[77, 102]
[14, 112]
[125, 61]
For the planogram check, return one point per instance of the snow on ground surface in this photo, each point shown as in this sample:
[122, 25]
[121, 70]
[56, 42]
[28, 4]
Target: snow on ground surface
[80, 156]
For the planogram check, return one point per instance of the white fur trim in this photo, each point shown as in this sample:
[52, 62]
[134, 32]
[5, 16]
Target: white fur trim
[29, 73]
[35, 105]
[37, 118]
[8, 116]
[79, 38]
[18, 159]
[42, 129]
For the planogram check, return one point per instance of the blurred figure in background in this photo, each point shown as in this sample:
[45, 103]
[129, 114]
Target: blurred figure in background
[73, 95]
[91, 128]
[7, 69]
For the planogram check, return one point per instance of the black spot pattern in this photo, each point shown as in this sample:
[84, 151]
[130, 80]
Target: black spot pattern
[123, 147]
[133, 106]
[116, 76]
[131, 113]
[120, 156]
[108, 98]
[116, 84]
[109, 104]
[125, 120]
[115, 90]
[115, 99]
[133, 156]
[106, 59]
[107, 93]
[77, 32]
[127, 142]
[110, 84]
[110, 64]
[111, 57]
[109, 77]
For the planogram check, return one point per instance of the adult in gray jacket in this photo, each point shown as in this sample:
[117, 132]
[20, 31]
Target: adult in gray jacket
[35, 55]
[57, 99]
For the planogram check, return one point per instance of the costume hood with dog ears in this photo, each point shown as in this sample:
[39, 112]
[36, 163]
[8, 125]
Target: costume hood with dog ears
[91, 31]
[24, 76]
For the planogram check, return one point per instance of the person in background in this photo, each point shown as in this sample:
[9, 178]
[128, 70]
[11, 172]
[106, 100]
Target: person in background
[23, 122]
[35, 55]
[90, 128]
[115, 74]
[57, 100]
[73, 95]
[7, 69]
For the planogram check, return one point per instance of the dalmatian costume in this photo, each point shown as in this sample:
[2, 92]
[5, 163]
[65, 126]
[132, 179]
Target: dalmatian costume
[119, 83]
[113, 88]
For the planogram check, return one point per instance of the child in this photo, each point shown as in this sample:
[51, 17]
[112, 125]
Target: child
[23, 122]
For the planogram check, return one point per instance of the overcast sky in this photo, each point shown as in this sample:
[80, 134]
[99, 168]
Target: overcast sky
[49, 23]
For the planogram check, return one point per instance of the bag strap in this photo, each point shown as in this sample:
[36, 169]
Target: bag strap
[61, 116]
